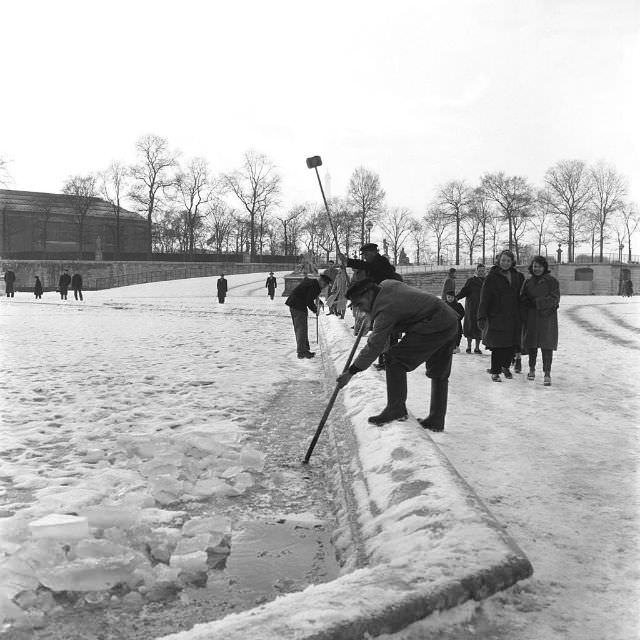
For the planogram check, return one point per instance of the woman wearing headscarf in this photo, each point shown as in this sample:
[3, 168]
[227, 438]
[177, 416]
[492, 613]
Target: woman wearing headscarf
[540, 298]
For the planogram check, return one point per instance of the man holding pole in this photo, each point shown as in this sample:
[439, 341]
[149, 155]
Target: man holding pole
[430, 330]
[303, 297]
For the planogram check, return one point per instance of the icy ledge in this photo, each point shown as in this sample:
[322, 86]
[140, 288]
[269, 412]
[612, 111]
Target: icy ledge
[416, 538]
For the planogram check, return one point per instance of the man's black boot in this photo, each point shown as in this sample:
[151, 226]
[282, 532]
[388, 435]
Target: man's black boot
[438, 405]
[396, 396]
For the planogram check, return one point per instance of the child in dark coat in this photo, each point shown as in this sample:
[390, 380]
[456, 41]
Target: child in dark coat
[450, 299]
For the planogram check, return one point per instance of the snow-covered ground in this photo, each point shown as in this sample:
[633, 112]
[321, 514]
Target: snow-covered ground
[90, 388]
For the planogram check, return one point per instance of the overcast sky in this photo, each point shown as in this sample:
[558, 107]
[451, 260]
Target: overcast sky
[420, 92]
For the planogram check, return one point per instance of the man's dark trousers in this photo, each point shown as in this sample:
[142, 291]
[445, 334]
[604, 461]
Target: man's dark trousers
[299, 319]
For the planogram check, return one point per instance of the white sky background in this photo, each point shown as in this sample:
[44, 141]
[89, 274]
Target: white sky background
[420, 92]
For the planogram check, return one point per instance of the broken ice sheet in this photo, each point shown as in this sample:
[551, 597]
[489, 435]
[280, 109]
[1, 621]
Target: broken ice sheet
[60, 526]
[251, 458]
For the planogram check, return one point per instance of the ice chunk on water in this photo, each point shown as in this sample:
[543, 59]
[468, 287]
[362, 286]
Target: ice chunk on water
[9, 611]
[231, 471]
[162, 542]
[159, 467]
[101, 548]
[16, 575]
[60, 526]
[251, 458]
[213, 487]
[167, 490]
[189, 562]
[243, 481]
[207, 524]
[91, 574]
[209, 542]
[106, 516]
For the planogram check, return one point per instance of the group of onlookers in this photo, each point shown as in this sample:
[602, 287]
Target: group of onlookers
[511, 315]
[64, 282]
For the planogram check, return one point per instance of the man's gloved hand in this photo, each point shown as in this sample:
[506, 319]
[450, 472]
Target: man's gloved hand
[343, 379]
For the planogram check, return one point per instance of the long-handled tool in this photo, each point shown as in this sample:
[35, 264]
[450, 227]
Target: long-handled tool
[334, 395]
[313, 163]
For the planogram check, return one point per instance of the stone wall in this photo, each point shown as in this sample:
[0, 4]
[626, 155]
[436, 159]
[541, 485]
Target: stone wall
[103, 275]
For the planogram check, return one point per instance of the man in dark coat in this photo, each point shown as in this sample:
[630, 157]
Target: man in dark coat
[375, 266]
[37, 288]
[63, 284]
[471, 292]
[430, 330]
[303, 297]
[9, 279]
[378, 268]
[271, 285]
[76, 285]
[222, 288]
[499, 314]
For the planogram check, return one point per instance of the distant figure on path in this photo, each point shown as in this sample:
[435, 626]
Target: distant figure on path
[271, 285]
[471, 293]
[37, 288]
[63, 284]
[540, 298]
[450, 299]
[337, 300]
[76, 285]
[627, 289]
[222, 288]
[9, 279]
[303, 297]
[449, 283]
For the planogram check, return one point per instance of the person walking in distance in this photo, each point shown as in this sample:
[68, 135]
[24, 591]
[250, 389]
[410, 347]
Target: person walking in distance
[471, 293]
[9, 282]
[76, 285]
[271, 285]
[499, 314]
[63, 284]
[37, 288]
[222, 288]
[303, 297]
[540, 298]
[430, 329]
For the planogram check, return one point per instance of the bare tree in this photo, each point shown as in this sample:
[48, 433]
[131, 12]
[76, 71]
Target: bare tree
[366, 196]
[568, 193]
[419, 237]
[608, 190]
[396, 225]
[470, 229]
[630, 220]
[5, 176]
[540, 221]
[439, 222]
[512, 194]
[257, 186]
[152, 176]
[346, 221]
[291, 225]
[220, 221]
[113, 186]
[194, 189]
[81, 190]
[480, 209]
[46, 211]
[454, 199]
[495, 227]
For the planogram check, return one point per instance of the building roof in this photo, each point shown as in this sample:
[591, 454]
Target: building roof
[59, 203]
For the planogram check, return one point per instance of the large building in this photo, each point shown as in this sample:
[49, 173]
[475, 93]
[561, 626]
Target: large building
[37, 225]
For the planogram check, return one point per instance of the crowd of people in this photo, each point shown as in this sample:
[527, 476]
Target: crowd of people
[509, 314]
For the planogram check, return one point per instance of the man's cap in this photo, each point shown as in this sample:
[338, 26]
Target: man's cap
[359, 287]
[370, 246]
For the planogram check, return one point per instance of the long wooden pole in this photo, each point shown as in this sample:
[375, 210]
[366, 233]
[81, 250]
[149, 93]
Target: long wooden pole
[334, 395]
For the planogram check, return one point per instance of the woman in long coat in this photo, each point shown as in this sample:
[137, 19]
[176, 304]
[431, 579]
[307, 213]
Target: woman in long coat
[499, 314]
[540, 298]
[471, 292]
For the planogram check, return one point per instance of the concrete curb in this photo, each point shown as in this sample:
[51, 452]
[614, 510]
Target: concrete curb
[414, 536]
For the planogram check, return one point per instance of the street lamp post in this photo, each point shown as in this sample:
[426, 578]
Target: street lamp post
[559, 253]
[369, 226]
[620, 249]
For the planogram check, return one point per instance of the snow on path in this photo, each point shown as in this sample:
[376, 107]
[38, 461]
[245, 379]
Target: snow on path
[559, 467]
